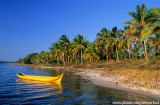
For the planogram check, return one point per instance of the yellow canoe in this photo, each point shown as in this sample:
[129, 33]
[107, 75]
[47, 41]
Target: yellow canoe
[56, 79]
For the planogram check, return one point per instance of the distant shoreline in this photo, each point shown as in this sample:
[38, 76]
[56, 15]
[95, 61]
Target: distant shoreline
[6, 62]
[94, 75]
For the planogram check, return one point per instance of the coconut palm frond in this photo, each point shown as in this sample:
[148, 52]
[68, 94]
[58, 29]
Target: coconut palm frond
[146, 33]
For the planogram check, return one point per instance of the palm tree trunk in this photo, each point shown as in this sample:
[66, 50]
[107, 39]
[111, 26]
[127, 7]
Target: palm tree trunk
[68, 59]
[81, 57]
[142, 48]
[135, 52]
[136, 57]
[76, 61]
[107, 55]
[129, 52]
[58, 60]
[107, 58]
[117, 53]
[63, 61]
[48, 58]
[146, 51]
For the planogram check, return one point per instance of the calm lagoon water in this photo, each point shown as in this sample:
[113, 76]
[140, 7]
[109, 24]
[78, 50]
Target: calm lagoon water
[72, 90]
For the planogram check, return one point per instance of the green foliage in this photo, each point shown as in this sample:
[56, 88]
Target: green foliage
[31, 58]
[90, 53]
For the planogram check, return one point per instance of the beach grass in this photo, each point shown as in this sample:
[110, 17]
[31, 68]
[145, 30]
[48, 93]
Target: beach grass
[137, 72]
[143, 78]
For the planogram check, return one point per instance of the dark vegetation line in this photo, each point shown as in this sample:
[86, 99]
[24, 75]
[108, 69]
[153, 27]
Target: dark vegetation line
[140, 38]
[6, 62]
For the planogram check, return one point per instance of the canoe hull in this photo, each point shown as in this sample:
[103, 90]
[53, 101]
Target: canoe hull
[56, 79]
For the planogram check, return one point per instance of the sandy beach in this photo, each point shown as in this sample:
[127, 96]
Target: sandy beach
[114, 83]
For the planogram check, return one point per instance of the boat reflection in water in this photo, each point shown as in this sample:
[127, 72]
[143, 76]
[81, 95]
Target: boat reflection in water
[39, 89]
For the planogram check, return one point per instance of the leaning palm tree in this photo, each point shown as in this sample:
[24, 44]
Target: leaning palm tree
[138, 23]
[127, 38]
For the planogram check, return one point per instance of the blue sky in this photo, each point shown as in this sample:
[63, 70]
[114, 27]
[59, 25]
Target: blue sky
[28, 26]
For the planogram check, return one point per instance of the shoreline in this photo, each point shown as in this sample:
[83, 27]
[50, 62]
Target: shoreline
[96, 78]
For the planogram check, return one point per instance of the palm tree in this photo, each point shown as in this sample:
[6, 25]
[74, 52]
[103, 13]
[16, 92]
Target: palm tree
[64, 39]
[103, 43]
[103, 34]
[154, 28]
[99, 48]
[154, 44]
[63, 46]
[154, 16]
[75, 52]
[44, 57]
[138, 23]
[70, 50]
[108, 46]
[116, 34]
[55, 51]
[122, 45]
[80, 45]
[89, 53]
[127, 38]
